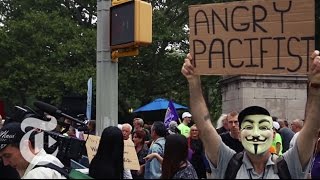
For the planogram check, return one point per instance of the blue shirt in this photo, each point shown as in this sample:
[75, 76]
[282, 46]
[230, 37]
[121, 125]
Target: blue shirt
[153, 167]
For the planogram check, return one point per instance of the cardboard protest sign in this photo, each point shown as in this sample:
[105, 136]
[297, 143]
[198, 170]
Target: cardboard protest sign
[130, 157]
[92, 145]
[252, 37]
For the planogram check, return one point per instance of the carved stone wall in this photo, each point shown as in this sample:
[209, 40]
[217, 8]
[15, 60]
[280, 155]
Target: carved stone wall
[284, 96]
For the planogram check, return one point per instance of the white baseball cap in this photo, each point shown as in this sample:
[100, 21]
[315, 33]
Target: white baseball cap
[186, 114]
[276, 125]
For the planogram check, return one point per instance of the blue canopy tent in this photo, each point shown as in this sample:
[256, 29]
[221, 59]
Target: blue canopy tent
[158, 104]
[156, 110]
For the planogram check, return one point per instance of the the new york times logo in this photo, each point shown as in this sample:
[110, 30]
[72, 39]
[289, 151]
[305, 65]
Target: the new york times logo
[36, 124]
[4, 135]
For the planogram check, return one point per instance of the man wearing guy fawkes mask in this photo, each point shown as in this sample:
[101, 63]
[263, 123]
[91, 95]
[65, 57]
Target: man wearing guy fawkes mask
[256, 134]
[256, 130]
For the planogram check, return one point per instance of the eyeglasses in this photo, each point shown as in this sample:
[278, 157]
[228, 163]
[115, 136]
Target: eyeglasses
[194, 130]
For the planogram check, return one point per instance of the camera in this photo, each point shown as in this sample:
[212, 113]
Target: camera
[68, 147]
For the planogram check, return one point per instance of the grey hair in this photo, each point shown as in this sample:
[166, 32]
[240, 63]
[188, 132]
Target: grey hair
[220, 120]
[140, 121]
[298, 122]
[126, 124]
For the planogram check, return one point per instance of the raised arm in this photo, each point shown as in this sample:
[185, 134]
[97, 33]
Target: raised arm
[309, 133]
[200, 113]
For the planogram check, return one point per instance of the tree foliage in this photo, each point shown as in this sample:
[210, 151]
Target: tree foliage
[48, 50]
[156, 71]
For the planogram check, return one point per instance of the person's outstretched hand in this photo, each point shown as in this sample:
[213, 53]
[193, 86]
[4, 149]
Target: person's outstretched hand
[187, 69]
[314, 75]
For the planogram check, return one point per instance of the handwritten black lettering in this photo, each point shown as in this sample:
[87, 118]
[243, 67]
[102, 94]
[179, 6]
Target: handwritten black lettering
[94, 149]
[245, 26]
[255, 20]
[278, 39]
[251, 53]
[282, 12]
[224, 25]
[216, 52]
[294, 55]
[308, 39]
[197, 42]
[196, 21]
[229, 54]
[127, 160]
[262, 51]
[251, 37]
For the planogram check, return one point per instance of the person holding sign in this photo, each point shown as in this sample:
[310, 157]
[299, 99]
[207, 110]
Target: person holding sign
[256, 134]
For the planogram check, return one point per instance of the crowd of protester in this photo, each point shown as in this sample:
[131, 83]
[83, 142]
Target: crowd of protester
[159, 159]
[162, 152]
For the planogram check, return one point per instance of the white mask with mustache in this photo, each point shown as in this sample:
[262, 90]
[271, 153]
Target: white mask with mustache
[257, 133]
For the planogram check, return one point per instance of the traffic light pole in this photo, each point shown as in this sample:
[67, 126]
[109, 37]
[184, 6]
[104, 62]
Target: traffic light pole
[107, 72]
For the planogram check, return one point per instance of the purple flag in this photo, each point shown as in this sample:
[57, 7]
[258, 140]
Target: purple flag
[171, 114]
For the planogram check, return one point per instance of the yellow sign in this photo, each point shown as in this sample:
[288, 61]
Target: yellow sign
[130, 158]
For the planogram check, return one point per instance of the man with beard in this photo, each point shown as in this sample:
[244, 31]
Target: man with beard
[256, 132]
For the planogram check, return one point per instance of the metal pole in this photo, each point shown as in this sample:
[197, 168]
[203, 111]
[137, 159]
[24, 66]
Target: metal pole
[107, 72]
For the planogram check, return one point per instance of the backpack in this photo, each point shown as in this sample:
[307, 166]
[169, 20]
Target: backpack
[69, 174]
[280, 168]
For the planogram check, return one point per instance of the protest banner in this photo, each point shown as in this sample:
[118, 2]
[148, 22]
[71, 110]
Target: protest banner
[130, 157]
[92, 145]
[252, 37]
[171, 114]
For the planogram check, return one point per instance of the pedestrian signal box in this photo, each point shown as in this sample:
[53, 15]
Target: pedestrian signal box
[131, 24]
